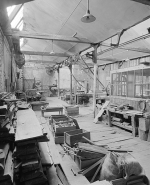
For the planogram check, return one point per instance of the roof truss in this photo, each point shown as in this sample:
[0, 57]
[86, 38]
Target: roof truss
[45, 53]
[23, 34]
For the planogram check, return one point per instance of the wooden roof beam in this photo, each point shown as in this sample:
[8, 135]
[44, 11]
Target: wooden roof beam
[45, 53]
[146, 2]
[24, 34]
[7, 3]
[41, 61]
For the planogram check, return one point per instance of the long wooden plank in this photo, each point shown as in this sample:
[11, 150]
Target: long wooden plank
[101, 111]
[45, 154]
[51, 145]
[122, 138]
[32, 35]
[71, 170]
[28, 126]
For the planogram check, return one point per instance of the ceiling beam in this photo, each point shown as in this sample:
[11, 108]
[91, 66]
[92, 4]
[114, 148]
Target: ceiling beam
[15, 12]
[146, 2]
[109, 59]
[127, 28]
[7, 3]
[41, 61]
[142, 50]
[45, 53]
[121, 46]
[24, 34]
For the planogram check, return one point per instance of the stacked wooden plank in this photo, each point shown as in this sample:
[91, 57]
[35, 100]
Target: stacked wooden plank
[29, 154]
[7, 136]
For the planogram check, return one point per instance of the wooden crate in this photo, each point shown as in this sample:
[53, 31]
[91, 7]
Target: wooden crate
[85, 163]
[72, 110]
[63, 124]
[75, 136]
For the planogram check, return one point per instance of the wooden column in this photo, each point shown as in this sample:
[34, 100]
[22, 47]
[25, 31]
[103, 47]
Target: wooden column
[70, 67]
[95, 78]
[74, 81]
[58, 88]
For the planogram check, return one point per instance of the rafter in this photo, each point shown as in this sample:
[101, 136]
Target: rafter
[13, 2]
[41, 61]
[146, 2]
[142, 50]
[23, 34]
[45, 53]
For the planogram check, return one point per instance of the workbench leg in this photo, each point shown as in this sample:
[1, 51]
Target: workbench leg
[134, 128]
[109, 118]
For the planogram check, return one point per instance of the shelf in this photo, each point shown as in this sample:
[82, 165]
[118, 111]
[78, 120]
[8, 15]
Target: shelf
[120, 125]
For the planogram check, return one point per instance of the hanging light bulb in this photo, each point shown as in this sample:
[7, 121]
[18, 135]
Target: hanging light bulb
[52, 51]
[88, 17]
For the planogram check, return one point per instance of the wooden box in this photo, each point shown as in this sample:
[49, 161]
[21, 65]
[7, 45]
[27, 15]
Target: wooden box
[72, 110]
[75, 136]
[63, 124]
[36, 106]
[85, 163]
[59, 131]
[144, 124]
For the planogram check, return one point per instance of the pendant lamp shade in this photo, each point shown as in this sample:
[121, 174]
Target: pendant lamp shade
[88, 17]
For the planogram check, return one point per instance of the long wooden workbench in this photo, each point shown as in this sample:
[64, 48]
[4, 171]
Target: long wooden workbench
[132, 113]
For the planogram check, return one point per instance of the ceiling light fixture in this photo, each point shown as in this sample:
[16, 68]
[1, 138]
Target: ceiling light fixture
[87, 18]
[52, 51]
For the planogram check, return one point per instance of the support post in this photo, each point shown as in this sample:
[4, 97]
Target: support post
[70, 67]
[58, 88]
[75, 82]
[95, 78]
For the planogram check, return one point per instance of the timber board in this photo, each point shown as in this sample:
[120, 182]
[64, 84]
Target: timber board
[67, 165]
[51, 145]
[28, 126]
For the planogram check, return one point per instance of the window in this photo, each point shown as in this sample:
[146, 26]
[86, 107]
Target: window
[135, 83]
[138, 83]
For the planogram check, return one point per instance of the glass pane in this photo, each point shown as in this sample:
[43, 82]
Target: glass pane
[138, 83]
[130, 84]
[146, 83]
[124, 84]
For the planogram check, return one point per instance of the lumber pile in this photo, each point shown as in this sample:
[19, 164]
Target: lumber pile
[7, 136]
[30, 152]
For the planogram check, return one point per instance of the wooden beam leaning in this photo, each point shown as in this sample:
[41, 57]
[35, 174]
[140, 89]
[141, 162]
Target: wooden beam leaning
[23, 34]
[45, 53]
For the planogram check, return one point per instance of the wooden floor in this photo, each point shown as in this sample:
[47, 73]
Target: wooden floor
[114, 137]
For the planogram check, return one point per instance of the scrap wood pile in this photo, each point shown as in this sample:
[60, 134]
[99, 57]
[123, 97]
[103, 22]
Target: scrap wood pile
[8, 110]
[30, 154]
[100, 163]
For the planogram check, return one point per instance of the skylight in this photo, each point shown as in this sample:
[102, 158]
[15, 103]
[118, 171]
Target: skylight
[10, 9]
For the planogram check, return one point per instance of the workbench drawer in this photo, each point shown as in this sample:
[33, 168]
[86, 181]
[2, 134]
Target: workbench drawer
[75, 136]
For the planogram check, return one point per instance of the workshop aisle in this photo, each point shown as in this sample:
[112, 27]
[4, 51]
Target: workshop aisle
[113, 137]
